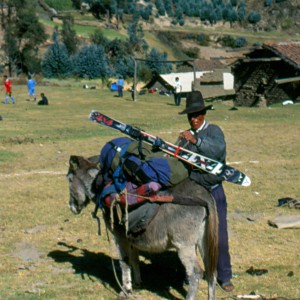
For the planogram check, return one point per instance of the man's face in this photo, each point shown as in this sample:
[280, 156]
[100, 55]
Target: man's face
[196, 119]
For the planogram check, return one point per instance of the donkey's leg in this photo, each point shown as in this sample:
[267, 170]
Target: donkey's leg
[124, 254]
[134, 263]
[212, 287]
[210, 274]
[194, 272]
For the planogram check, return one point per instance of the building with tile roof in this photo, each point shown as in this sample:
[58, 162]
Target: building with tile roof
[270, 72]
[211, 77]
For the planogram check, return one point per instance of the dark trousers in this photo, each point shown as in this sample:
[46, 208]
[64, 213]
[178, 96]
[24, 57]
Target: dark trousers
[224, 265]
[120, 91]
[177, 98]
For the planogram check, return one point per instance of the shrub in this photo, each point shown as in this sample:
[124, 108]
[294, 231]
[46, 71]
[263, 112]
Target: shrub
[240, 42]
[228, 41]
[254, 17]
[91, 62]
[192, 52]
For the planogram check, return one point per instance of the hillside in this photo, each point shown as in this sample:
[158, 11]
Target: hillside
[280, 20]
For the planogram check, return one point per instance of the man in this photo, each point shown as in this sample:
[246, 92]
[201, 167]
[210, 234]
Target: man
[177, 91]
[208, 139]
[44, 100]
[8, 90]
[31, 88]
[120, 84]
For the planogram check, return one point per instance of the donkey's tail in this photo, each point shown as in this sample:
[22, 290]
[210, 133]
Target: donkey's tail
[212, 234]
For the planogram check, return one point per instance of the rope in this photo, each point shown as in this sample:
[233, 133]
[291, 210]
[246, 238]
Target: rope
[126, 211]
[112, 214]
[113, 265]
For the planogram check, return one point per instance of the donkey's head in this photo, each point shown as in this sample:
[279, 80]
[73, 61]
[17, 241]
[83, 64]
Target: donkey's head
[81, 174]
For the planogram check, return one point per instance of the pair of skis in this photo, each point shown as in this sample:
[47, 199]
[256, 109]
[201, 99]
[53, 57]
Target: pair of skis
[204, 163]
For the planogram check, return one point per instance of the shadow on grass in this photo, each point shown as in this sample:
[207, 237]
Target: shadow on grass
[160, 272]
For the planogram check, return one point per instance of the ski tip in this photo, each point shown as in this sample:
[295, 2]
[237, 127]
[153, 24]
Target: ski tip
[92, 115]
[246, 181]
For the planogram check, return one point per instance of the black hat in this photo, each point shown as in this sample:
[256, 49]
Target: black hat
[195, 103]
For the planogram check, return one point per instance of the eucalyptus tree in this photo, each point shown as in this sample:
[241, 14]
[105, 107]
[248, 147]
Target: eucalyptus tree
[23, 35]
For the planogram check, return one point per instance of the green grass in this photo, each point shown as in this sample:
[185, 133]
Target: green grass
[48, 253]
[85, 30]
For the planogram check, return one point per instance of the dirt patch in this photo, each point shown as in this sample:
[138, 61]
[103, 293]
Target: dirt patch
[26, 252]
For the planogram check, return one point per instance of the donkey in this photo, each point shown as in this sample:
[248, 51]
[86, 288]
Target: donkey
[184, 228]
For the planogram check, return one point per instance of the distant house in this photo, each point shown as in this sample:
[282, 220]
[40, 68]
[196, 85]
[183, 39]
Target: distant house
[270, 73]
[210, 77]
[216, 84]
[165, 82]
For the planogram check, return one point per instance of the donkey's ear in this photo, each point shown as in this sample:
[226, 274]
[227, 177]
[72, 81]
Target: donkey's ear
[74, 162]
[93, 172]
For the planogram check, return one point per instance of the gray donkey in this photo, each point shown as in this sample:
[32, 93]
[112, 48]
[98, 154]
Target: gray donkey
[184, 228]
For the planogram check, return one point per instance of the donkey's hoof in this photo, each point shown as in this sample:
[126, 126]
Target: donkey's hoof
[122, 295]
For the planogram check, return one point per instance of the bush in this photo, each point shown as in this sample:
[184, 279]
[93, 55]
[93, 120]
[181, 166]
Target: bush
[254, 17]
[228, 41]
[191, 52]
[287, 23]
[240, 42]
[203, 39]
[181, 22]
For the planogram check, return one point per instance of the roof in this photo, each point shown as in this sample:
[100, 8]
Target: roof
[208, 65]
[216, 76]
[289, 51]
[185, 78]
[201, 65]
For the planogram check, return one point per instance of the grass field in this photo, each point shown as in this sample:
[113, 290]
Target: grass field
[48, 253]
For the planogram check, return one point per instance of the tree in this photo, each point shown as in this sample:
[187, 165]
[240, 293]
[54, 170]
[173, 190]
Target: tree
[10, 48]
[98, 38]
[22, 28]
[91, 62]
[160, 7]
[117, 48]
[155, 64]
[268, 3]
[124, 66]
[68, 34]
[56, 61]
[241, 11]
[136, 35]
[254, 17]
[101, 8]
[77, 4]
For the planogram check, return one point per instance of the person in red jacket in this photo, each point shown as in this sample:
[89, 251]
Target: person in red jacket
[8, 90]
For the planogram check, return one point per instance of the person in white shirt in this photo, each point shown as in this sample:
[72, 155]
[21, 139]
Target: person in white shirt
[177, 91]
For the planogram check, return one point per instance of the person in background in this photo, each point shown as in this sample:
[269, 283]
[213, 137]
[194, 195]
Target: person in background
[44, 100]
[8, 90]
[31, 88]
[177, 91]
[208, 139]
[120, 85]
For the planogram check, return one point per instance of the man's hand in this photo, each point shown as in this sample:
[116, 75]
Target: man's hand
[188, 136]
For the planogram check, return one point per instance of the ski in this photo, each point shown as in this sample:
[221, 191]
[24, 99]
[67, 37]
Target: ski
[204, 163]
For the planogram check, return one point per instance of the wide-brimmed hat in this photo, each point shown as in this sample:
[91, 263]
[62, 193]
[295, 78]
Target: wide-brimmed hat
[195, 103]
